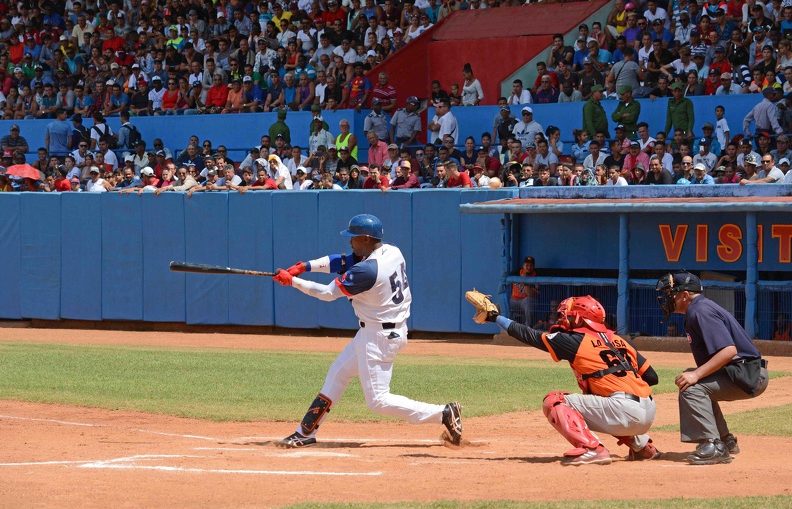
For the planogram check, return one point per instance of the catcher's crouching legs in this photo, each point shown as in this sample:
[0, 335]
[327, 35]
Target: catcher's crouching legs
[572, 426]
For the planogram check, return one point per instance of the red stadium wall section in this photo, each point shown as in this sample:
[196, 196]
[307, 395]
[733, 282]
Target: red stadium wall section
[495, 42]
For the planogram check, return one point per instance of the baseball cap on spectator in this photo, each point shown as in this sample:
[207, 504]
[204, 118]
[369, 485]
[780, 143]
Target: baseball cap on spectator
[393, 146]
[156, 78]
[17, 69]
[129, 159]
[707, 125]
[375, 101]
[405, 164]
[676, 86]
[14, 127]
[704, 141]
[504, 108]
[135, 66]
[110, 82]
[625, 89]
[597, 88]
[657, 21]
[635, 144]
[783, 161]
[160, 153]
[280, 135]
[93, 169]
[371, 53]
[620, 126]
[526, 109]
[147, 171]
[751, 159]
[211, 172]
[262, 161]
[247, 79]
[114, 66]
[700, 167]
[221, 14]
[300, 169]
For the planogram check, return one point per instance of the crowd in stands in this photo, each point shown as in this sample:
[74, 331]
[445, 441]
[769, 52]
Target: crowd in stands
[78, 61]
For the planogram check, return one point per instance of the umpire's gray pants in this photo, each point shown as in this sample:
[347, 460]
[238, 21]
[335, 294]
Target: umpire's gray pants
[700, 416]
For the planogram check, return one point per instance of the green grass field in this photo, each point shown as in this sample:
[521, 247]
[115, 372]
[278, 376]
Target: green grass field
[234, 385]
[261, 385]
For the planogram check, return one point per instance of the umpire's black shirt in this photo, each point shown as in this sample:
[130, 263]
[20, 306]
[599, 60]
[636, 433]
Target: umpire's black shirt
[710, 329]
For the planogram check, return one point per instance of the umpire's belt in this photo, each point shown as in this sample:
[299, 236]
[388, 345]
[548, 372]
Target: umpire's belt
[379, 325]
[627, 395]
[762, 362]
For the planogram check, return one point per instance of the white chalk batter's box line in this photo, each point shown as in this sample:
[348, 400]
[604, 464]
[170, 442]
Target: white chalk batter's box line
[134, 463]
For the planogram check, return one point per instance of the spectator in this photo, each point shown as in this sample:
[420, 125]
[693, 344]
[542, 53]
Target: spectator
[375, 180]
[657, 174]
[406, 123]
[378, 149]
[546, 93]
[97, 184]
[376, 120]
[704, 156]
[595, 156]
[773, 174]
[278, 172]
[627, 72]
[700, 175]
[472, 93]
[594, 118]
[615, 178]
[444, 122]
[680, 112]
[13, 141]
[406, 179]
[519, 95]
[764, 115]
[526, 129]
[56, 139]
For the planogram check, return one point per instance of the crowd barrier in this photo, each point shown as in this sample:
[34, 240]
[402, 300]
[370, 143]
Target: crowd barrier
[105, 256]
[239, 132]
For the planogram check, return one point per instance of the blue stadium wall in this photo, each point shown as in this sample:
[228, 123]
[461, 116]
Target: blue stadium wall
[239, 132]
[105, 256]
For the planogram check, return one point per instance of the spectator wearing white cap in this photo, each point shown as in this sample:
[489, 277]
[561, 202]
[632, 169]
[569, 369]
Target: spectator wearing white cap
[96, 184]
[700, 175]
[784, 165]
[525, 129]
[728, 86]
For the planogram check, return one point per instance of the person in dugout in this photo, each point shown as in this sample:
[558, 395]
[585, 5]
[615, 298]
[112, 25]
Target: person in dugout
[614, 377]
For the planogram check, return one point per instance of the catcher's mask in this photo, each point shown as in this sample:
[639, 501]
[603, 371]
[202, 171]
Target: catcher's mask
[671, 284]
[585, 311]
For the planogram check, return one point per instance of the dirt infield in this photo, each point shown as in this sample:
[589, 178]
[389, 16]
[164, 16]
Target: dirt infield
[54, 455]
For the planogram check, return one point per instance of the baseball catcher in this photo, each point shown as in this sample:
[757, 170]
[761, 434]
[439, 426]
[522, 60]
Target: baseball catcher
[614, 377]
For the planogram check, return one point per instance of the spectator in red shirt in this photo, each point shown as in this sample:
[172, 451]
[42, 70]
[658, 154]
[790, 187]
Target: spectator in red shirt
[385, 92]
[406, 178]
[378, 149]
[375, 180]
[455, 177]
[217, 95]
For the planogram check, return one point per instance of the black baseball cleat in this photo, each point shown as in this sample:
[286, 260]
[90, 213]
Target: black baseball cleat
[711, 452]
[731, 443]
[296, 440]
[452, 420]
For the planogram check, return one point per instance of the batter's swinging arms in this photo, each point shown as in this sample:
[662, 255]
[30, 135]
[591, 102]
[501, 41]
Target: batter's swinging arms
[614, 377]
[374, 279]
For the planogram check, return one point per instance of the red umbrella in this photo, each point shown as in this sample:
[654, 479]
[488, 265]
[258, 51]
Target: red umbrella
[23, 171]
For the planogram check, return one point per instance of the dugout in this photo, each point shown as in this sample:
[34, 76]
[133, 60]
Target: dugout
[614, 243]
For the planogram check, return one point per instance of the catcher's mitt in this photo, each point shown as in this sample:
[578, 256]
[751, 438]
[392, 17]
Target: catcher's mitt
[486, 311]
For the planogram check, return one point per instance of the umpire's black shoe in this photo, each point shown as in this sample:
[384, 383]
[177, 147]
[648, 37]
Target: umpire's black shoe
[452, 420]
[711, 452]
[730, 441]
[296, 440]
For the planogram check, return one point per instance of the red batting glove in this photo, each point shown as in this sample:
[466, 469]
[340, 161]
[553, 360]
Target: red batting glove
[283, 278]
[297, 269]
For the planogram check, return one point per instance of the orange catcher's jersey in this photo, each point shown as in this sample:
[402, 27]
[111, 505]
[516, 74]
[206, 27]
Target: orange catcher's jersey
[589, 352]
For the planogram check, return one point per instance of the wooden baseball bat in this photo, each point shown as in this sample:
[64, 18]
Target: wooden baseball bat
[214, 269]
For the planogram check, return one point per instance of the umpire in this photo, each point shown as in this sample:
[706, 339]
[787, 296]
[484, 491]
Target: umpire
[728, 368]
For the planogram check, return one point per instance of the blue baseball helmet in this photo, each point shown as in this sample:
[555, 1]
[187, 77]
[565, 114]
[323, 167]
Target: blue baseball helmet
[364, 224]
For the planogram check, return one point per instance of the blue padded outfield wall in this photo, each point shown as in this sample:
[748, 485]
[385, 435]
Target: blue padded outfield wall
[239, 132]
[105, 256]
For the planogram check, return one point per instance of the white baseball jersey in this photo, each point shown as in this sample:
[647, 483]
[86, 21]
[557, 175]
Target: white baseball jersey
[377, 287]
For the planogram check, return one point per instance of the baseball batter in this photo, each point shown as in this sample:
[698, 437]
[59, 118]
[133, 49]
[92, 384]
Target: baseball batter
[374, 279]
[614, 377]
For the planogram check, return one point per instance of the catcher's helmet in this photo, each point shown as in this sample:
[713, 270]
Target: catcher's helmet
[364, 225]
[586, 309]
[671, 284]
